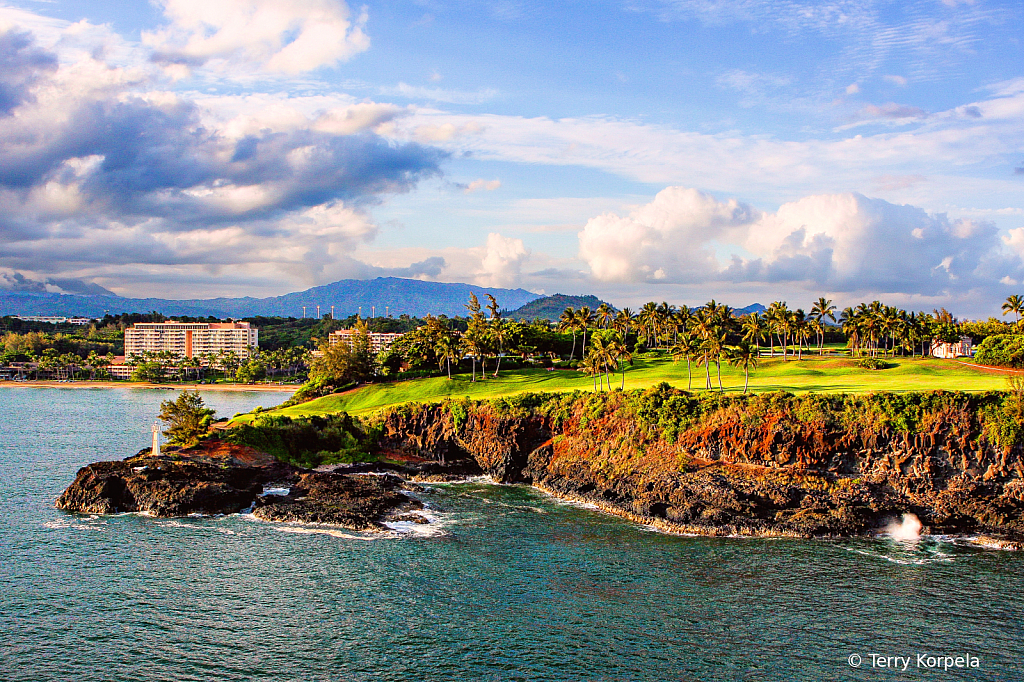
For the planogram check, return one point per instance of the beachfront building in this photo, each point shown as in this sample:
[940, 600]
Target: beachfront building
[378, 340]
[190, 339]
[961, 349]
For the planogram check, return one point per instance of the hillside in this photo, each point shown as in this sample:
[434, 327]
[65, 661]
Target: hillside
[550, 307]
[400, 296]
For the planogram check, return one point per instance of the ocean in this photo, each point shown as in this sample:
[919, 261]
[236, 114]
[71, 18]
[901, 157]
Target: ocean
[507, 583]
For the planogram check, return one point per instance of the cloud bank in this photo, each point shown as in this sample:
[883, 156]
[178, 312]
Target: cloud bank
[106, 176]
[835, 242]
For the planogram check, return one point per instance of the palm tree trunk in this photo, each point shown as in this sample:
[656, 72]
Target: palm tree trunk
[689, 375]
[746, 378]
[449, 369]
[718, 366]
[474, 368]
[573, 351]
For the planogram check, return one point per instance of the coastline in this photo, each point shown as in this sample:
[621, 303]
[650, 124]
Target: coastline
[140, 384]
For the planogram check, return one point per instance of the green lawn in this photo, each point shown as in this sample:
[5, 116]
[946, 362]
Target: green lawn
[835, 375]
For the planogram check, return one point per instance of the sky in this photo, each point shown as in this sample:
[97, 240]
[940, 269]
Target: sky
[639, 150]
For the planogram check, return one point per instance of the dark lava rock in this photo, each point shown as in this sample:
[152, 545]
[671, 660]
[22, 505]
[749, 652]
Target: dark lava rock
[164, 487]
[168, 488]
[353, 501]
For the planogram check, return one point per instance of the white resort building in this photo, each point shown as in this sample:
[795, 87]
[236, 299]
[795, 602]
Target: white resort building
[961, 349]
[378, 340]
[190, 339]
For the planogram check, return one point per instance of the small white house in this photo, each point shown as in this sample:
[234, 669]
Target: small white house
[961, 349]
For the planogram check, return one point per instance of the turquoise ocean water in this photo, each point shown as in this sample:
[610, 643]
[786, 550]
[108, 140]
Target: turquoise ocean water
[507, 584]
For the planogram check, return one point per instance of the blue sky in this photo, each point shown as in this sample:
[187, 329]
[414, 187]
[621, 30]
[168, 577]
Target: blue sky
[676, 150]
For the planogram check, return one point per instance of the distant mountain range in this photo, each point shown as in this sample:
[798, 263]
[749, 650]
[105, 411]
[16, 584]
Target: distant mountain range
[550, 307]
[394, 295]
[752, 308]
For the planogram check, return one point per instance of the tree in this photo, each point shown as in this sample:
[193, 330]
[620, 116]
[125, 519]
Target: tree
[568, 322]
[500, 333]
[742, 356]
[585, 320]
[251, 372]
[821, 309]
[753, 330]
[342, 362]
[187, 418]
[1014, 304]
[686, 346]
[447, 350]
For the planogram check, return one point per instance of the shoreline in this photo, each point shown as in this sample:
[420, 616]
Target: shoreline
[275, 388]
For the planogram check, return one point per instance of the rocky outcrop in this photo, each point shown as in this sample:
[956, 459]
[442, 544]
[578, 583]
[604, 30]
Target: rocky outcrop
[357, 502]
[168, 488]
[229, 481]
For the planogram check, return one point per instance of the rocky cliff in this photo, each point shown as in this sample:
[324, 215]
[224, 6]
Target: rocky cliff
[774, 465]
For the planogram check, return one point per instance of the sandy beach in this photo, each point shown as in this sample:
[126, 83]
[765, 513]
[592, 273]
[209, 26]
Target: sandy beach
[138, 384]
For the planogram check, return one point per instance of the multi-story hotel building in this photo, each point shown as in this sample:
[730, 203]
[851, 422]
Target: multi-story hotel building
[190, 339]
[378, 340]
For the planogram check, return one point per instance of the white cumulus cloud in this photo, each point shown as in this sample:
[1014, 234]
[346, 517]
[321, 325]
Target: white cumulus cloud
[842, 242]
[284, 37]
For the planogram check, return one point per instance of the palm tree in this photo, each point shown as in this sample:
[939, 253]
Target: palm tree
[604, 315]
[500, 333]
[753, 330]
[447, 349]
[592, 366]
[685, 347]
[567, 322]
[821, 309]
[623, 322]
[648, 318]
[585, 320]
[474, 344]
[622, 356]
[603, 353]
[1014, 304]
[743, 356]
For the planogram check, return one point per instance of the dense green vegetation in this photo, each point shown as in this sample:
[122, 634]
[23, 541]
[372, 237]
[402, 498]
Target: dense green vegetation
[1002, 350]
[308, 441]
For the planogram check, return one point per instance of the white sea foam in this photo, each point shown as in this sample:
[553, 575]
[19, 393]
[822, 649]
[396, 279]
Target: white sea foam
[315, 530]
[172, 523]
[92, 522]
[275, 491]
[434, 526]
[907, 560]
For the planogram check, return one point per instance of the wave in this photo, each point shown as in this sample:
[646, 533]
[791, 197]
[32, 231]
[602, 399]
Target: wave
[172, 523]
[926, 550]
[316, 530]
[91, 522]
[434, 526]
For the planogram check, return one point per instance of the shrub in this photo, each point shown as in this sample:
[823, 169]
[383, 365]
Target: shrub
[873, 363]
[1001, 350]
[307, 441]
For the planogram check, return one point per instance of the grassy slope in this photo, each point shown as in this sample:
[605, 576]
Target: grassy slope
[813, 374]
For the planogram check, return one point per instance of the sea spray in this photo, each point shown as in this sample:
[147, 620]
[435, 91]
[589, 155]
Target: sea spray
[907, 529]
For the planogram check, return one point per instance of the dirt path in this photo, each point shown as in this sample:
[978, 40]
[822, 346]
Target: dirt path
[989, 369]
